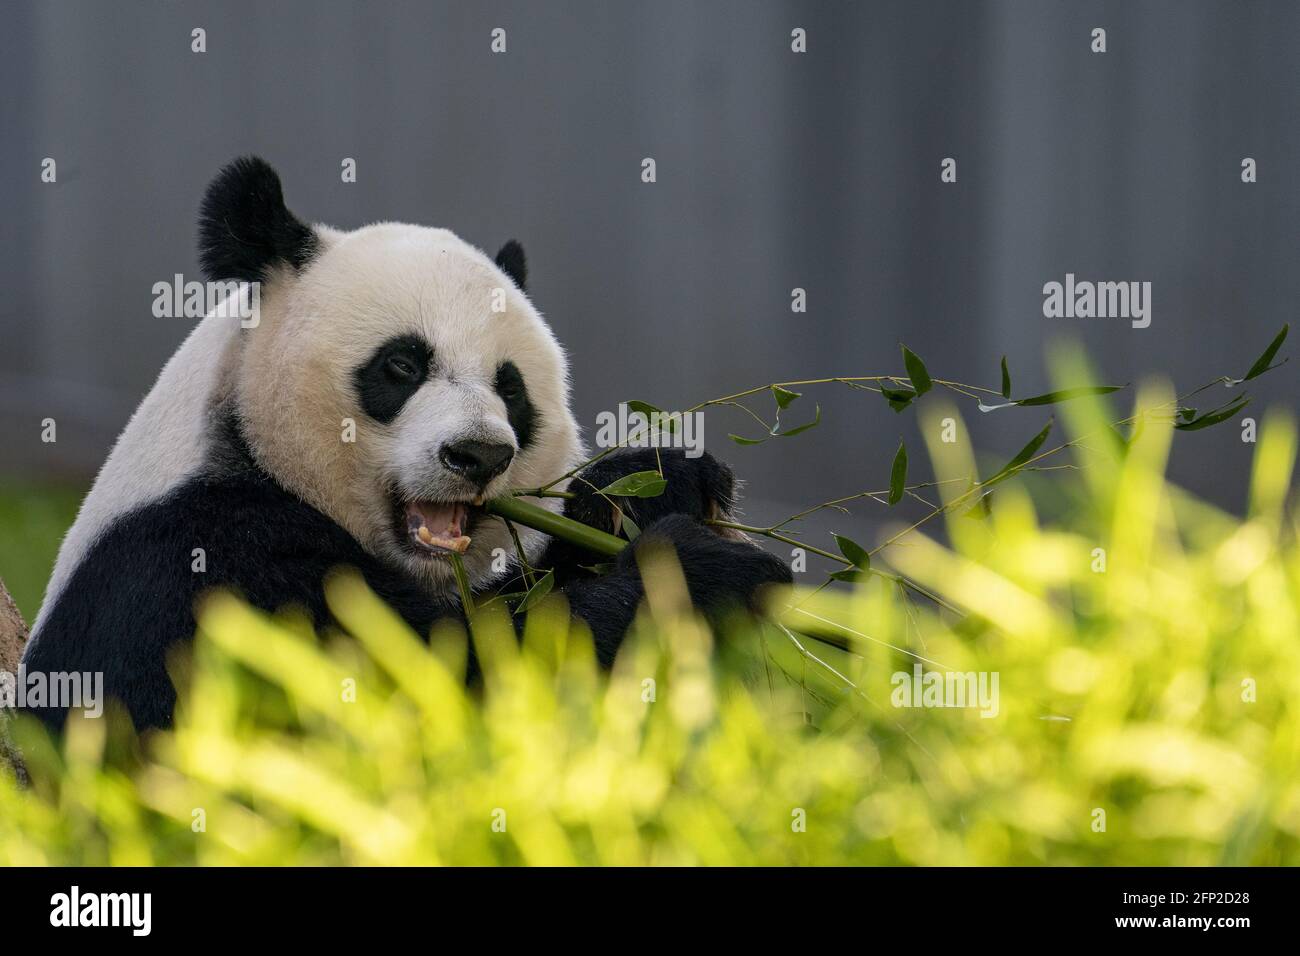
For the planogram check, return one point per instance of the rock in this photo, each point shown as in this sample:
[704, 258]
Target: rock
[13, 632]
[13, 638]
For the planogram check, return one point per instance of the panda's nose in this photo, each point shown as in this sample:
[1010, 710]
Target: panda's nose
[476, 461]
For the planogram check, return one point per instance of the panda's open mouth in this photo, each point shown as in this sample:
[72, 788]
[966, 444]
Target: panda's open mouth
[437, 527]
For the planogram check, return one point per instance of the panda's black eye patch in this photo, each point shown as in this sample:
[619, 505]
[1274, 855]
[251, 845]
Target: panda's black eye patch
[391, 376]
[510, 386]
[402, 368]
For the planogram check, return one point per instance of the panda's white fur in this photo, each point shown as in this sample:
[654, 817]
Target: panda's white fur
[290, 379]
[165, 441]
[295, 396]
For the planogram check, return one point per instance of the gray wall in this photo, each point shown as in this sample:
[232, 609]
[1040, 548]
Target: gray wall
[775, 170]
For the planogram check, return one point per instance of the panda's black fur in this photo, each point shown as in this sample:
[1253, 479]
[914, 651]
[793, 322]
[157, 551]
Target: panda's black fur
[245, 227]
[131, 598]
[512, 262]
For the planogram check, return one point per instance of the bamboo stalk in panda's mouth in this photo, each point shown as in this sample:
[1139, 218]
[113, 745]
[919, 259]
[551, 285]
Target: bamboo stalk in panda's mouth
[534, 516]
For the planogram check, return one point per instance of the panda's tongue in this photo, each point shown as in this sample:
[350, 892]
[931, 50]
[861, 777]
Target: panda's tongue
[437, 526]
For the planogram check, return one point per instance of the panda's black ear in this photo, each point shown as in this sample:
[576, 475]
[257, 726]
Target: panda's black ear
[244, 226]
[511, 261]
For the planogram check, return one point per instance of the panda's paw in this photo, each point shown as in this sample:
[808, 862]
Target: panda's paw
[700, 488]
[720, 572]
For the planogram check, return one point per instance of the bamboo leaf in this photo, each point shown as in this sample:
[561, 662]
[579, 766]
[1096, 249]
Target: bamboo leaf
[898, 399]
[916, 371]
[1051, 398]
[537, 592]
[640, 484]
[849, 574]
[854, 552]
[817, 417]
[506, 597]
[667, 422]
[784, 396]
[1213, 417]
[1262, 363]
[898, 475]
[740, 440]
[1006, 379]
[1118, 443]
[1022, 456]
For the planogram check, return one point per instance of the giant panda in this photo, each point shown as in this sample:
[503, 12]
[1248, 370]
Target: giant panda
[239, 450]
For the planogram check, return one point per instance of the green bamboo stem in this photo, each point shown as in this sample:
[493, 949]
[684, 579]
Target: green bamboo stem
[462, 584]
[534, 516]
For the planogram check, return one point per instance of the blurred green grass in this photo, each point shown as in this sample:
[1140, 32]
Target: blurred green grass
[33, 519]
[1149, 712]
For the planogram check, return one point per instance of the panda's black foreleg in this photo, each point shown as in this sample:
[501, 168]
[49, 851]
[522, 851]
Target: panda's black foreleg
[700, 487]
[722, 570]
[721, 574]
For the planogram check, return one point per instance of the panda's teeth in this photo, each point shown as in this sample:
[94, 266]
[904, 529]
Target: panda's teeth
[478, 501]
[438, 526]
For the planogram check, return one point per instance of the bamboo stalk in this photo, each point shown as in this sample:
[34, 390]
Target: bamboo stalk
[462, 584]
[534, 516]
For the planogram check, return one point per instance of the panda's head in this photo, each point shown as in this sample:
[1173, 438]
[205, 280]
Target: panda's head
[396, 377]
